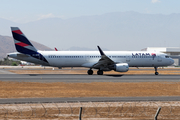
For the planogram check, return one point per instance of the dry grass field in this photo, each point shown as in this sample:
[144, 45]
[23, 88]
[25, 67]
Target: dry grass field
[95, 89]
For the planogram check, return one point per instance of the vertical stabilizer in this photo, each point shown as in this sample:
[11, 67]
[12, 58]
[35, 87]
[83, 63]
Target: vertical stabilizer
[22, 44]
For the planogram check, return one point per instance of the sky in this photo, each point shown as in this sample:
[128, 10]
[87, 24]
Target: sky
[23, 11]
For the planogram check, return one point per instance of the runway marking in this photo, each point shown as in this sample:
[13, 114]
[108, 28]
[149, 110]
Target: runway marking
[6, 72]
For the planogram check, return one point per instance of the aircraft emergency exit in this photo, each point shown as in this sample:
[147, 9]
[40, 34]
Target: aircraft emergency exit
[119, 61]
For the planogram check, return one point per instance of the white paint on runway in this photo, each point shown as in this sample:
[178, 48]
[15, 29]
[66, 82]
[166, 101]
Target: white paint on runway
[5, 72]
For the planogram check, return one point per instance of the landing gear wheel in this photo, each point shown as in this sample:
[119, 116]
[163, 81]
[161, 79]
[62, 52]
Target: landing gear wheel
[100, 72]
[90, 72]
[156, 73]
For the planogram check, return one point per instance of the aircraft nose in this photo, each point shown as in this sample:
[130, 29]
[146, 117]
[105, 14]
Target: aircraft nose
[172, 61]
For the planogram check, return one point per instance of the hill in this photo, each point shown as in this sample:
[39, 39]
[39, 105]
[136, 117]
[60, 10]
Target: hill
[7, 46]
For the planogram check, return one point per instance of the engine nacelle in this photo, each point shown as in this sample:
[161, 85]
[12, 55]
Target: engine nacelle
[121, 67]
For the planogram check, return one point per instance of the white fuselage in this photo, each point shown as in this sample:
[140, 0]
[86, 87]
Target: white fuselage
[89, 58]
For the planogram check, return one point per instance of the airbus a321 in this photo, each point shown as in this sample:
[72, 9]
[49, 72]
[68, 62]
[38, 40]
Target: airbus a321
[119, 61]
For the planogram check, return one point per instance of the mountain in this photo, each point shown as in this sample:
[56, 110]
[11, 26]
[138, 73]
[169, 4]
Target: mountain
[75, 48]
[114, 31]
[7, 46]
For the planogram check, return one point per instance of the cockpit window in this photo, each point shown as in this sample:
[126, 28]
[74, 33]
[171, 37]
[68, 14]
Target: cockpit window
[167, 56]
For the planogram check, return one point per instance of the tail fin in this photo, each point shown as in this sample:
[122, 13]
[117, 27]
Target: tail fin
[56, 49]
[22, 44]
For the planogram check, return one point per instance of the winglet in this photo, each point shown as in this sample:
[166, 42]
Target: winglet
[101, 52]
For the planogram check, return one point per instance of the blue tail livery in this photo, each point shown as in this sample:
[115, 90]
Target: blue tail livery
[23, 45]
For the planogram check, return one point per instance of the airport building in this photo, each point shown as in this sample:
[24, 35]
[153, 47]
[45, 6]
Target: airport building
[173, 52]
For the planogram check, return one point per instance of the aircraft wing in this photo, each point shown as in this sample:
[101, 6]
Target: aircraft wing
[104, 62]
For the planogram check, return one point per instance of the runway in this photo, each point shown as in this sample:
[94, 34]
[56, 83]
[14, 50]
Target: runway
[88, 99]
[72, 78]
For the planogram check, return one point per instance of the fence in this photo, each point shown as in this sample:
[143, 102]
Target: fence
[133, 110]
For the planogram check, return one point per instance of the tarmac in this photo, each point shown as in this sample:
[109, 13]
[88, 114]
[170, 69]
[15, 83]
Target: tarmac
[82, 78]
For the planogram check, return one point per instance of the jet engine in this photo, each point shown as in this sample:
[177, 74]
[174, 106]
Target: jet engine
[121, 67]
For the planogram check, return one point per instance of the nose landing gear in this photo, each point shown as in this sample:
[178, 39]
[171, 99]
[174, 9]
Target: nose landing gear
[156, 73]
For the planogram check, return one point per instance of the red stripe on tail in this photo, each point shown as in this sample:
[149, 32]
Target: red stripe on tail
[17, 31]
[22, 44]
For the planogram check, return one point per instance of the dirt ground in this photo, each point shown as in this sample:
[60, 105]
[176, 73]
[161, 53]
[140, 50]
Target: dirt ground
[95, 89]
[92, 111]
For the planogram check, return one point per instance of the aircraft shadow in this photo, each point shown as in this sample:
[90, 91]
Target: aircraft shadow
[115, 75]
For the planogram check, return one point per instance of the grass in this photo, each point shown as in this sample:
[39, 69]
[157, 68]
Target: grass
[95, 89]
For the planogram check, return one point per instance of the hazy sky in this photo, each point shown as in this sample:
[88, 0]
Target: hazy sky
[23, 11]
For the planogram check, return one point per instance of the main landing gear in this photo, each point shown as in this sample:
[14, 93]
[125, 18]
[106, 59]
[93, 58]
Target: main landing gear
[90, 72]
[99, 72]
[156, 73]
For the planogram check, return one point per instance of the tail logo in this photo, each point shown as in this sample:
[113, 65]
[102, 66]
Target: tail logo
[17, 31]
[23, 45]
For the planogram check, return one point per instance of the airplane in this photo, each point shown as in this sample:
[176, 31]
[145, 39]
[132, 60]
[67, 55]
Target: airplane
[119, 61]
